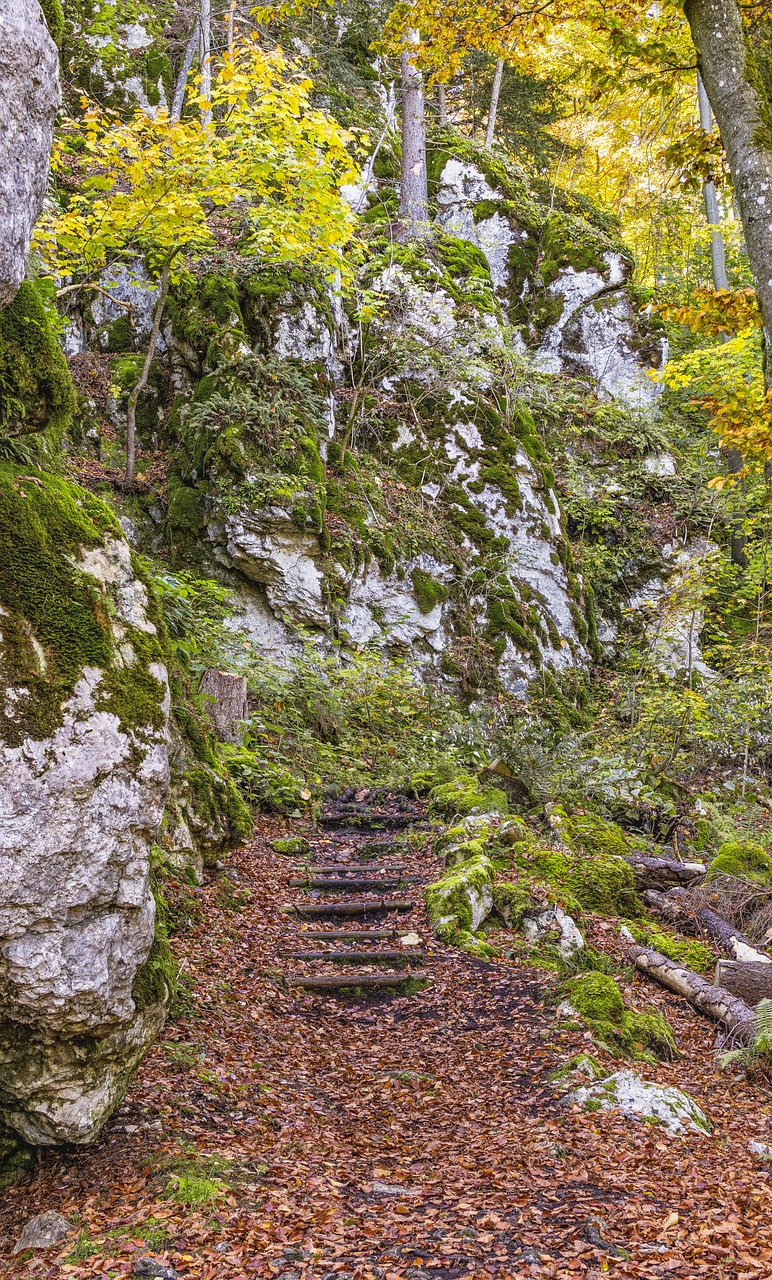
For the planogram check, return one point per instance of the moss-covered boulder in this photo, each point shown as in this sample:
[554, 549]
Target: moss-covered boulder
[625, 1032]
[744, 860]
[84, 774]
[462, 900]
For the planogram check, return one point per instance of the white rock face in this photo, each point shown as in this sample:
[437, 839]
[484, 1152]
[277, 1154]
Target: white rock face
[385, 608]
[639, 1099]
[30, 79]
[78, 813]
[127, 285]
[461, 187]
[268, 547]
[600, 339]
[674, 611]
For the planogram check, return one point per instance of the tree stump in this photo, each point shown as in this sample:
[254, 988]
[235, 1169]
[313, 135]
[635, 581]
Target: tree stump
[225, 703]
[751, 980]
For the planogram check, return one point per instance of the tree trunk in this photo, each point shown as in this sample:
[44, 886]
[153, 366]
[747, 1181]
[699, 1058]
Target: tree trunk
[668, 908]
[182, 78]
[442, 105]
[490, 132]
[226, 706]
[722, 55]
[717, 260]
[205, 56]
[717, 1003]
[131, 408]
[414, 198]
[661, 873]
[750, 981]
[728, 939]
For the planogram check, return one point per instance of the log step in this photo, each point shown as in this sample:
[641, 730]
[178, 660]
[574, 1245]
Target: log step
[369, 821]
[362, 884]
[333, 980]
[343, 868]
[314, 910]
[350, 935]
[360, 957]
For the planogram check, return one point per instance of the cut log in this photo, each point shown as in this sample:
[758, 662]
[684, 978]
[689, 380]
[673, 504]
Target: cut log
[313, 910]
[368, 820]
[225, 703]
[667, 907]
[715, 1002]
[661, 873]
[362, 884]
[728, 939]
[350, 935]
[751, 980]
[354, 980]
[360, 957]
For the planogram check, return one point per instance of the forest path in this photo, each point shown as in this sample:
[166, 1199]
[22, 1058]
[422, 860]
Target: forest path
[386, 1135]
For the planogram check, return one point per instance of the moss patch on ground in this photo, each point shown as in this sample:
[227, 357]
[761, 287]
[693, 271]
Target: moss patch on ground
[623, 1031]
[744, 860]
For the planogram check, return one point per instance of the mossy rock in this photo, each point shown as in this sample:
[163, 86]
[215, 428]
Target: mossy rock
[625, 1032]
[56, 619]
[464, 796]
[512, 901]
[291, 846]
[743, 860]
[54, 16]
[605, 885]
[428, 592]
[459, 902]
[36, 391]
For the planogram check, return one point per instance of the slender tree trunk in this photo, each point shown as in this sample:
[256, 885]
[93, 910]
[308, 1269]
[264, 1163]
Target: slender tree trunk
[414, 200]
[131, 408]
[231, 12]
[182, 78]
[442, 105]
[490, 132]
[717, 260]
[205, 56]
[722, 54]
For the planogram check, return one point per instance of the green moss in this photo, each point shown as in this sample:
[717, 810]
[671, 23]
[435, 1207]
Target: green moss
[155, 981]
[54, 16]
[56, 619]
[744, 860]
[293, 846]
[687, 951]
[428, 592]
[625, 1032]
[605, 885]
[36, 391]
[512, 902]
[465, 796]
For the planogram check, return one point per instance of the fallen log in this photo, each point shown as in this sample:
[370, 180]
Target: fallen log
[715, 1002]
[728, 939]
[667, 907]
[661, 873]
[751, 980]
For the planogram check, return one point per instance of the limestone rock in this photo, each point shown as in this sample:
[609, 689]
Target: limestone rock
[43, 1232]
[83, 779]
[29, 76]
[153, 1269]
[639, 1099]
[552, 920]
[268, 547]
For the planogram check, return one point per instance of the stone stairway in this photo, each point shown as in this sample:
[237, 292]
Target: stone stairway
[348, 878]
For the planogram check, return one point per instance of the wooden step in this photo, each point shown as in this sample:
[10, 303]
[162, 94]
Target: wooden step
[313, 910]
[362, 884]
[350, 935]
[360, 957]
[343, 868]
[354, 980]
[368, 821]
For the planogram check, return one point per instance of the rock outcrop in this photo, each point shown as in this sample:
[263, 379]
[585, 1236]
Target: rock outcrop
[84, 978]
[29, 76]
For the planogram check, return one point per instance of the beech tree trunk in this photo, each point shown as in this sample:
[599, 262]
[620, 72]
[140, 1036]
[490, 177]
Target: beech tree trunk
[205, 56]
[490, 132]
[717, 260]
[716, 1002]
[414, 197]
[131, 408]
[182, 78]
[722, 55]
[226, 702]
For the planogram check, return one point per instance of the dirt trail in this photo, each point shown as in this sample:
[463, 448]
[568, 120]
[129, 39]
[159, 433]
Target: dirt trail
[390, 1135]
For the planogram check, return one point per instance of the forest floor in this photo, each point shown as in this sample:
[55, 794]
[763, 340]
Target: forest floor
[273, 1132]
